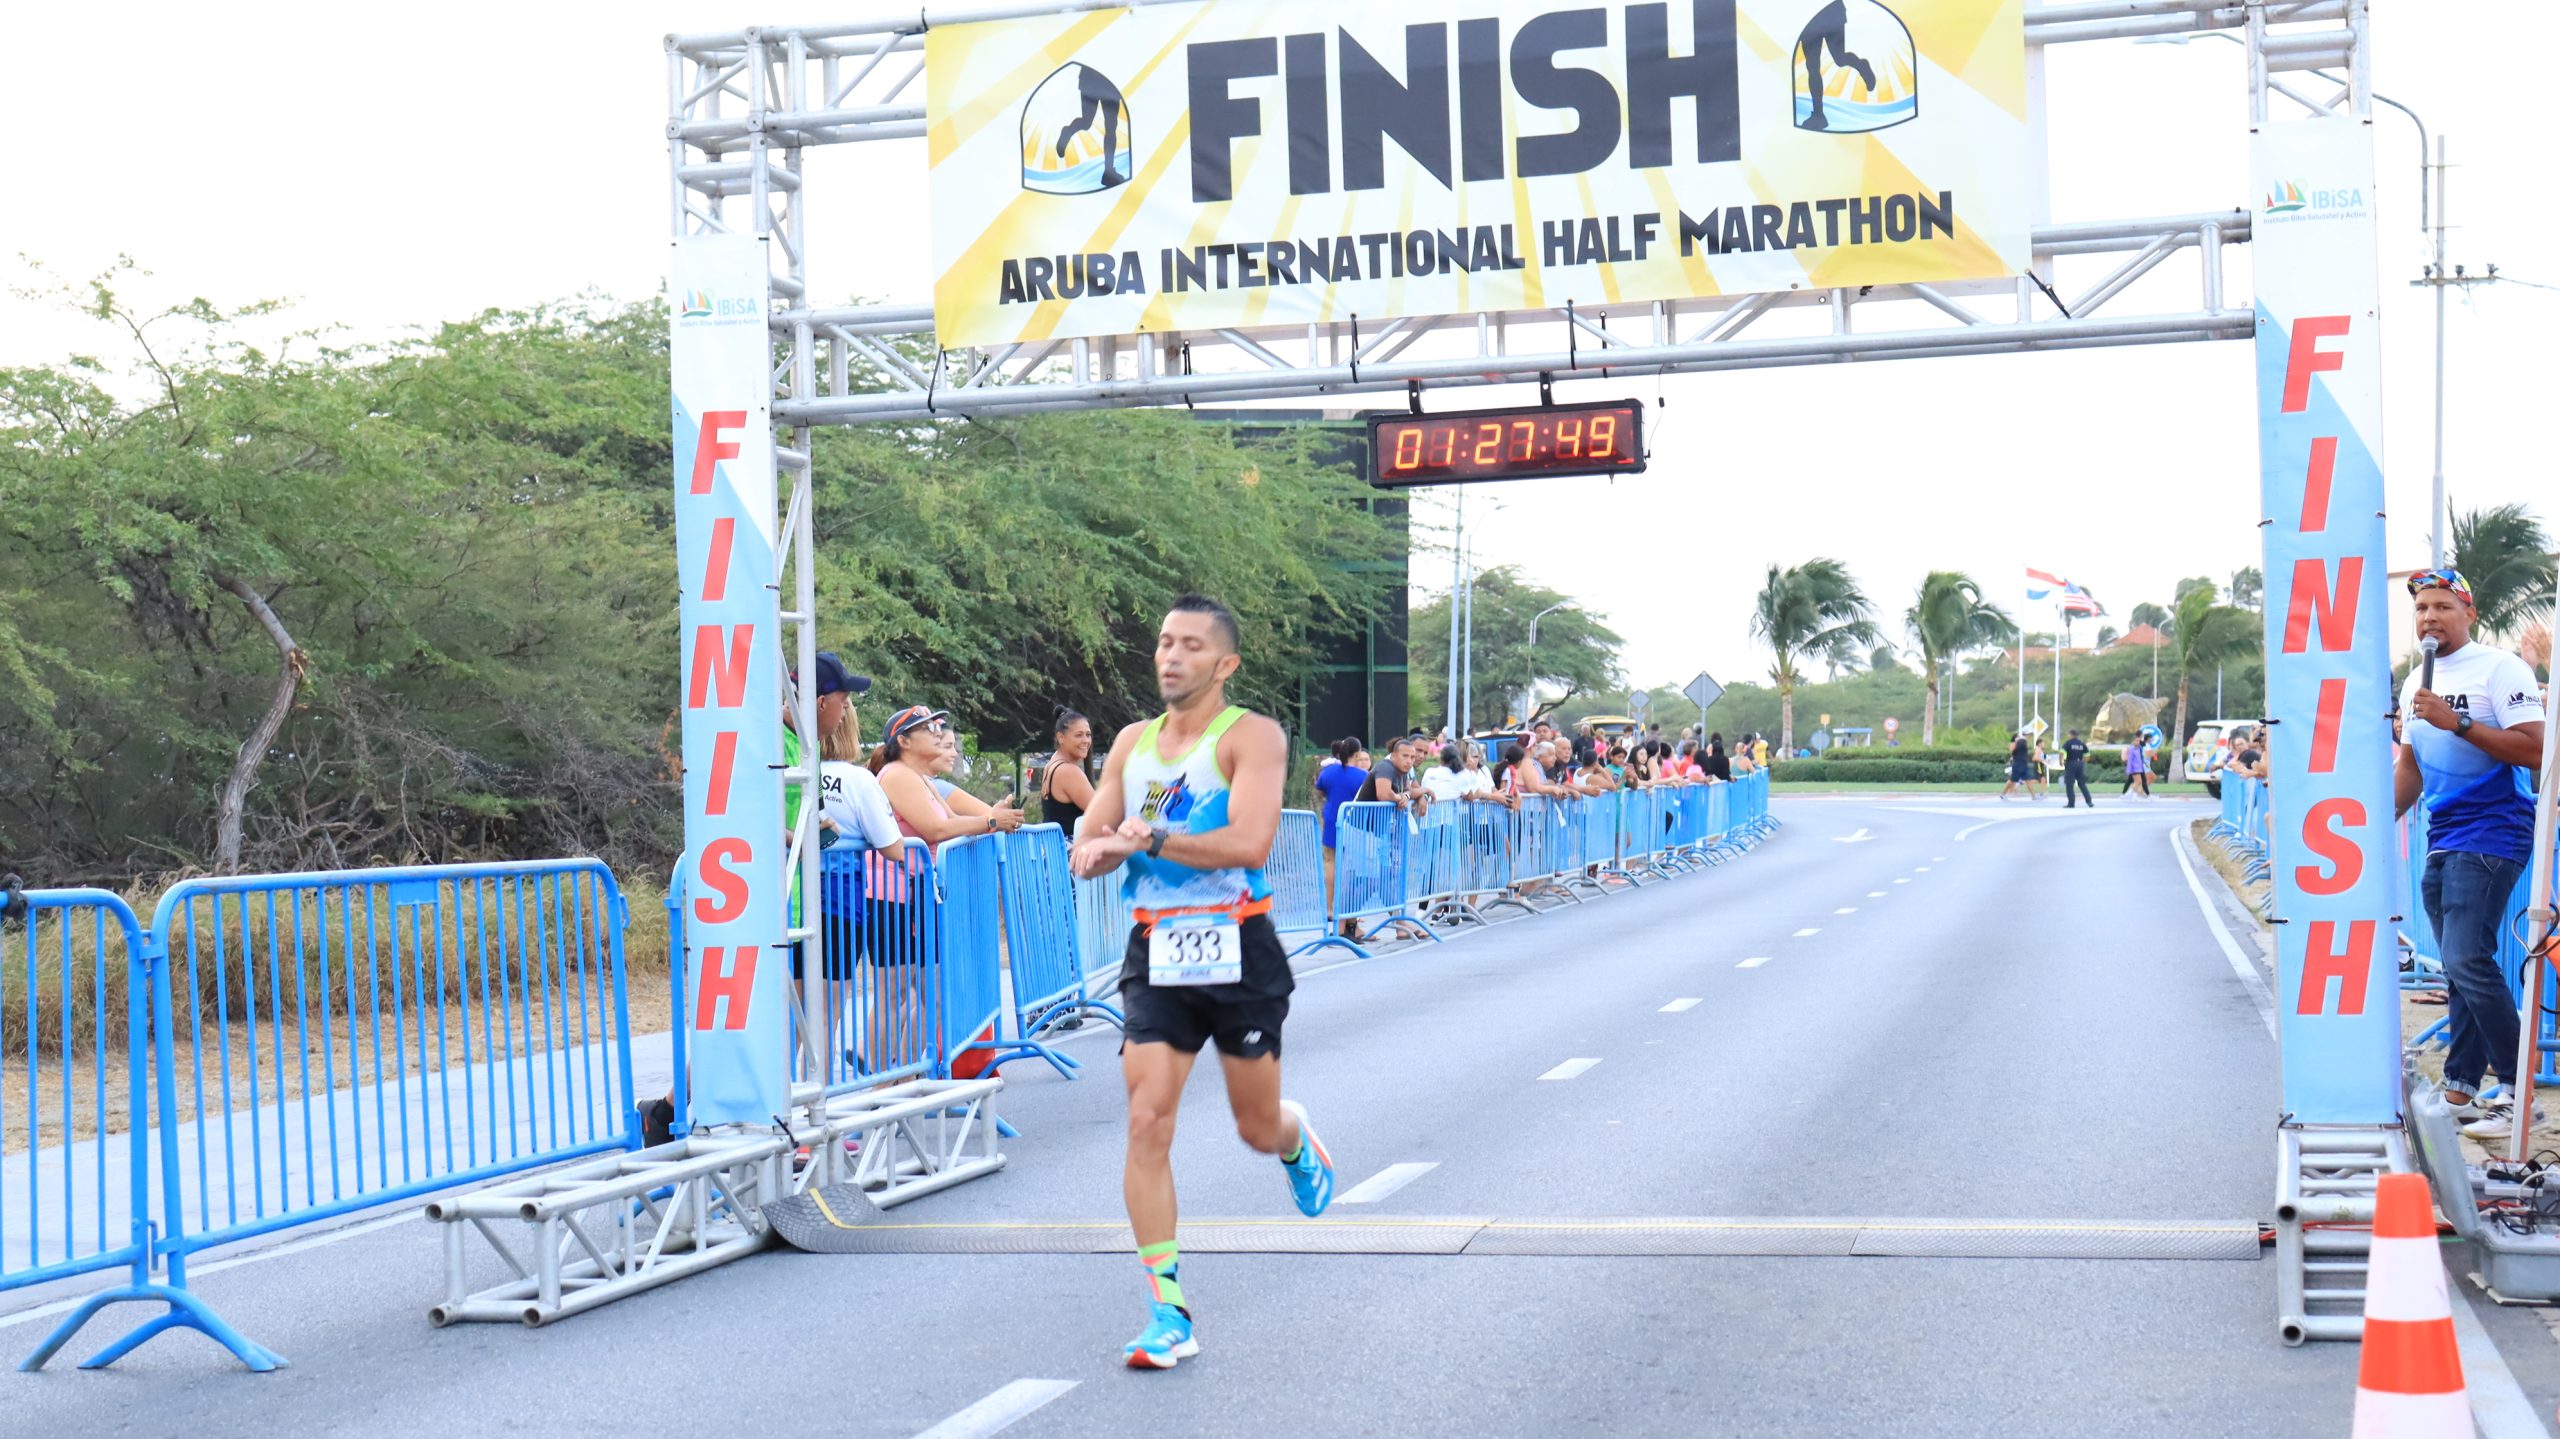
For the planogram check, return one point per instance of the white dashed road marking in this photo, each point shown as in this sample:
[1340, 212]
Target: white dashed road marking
[1753, 963]
[1679, 1006]
[1385, 1182]
[1571, 1068]
[1846, 909]
[999, 1410]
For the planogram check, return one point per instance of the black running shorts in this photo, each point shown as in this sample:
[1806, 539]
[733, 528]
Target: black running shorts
[1243, 1018]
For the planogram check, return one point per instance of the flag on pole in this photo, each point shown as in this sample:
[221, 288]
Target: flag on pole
[2062, 594]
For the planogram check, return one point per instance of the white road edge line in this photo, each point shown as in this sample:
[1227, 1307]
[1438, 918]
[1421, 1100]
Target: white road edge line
[2497, 1400]
[1962, 833]
[1680, 1006]
[2241, 965]
[999, 1410]
[1385, 1182]
[1569, 1069]
[1754, 962]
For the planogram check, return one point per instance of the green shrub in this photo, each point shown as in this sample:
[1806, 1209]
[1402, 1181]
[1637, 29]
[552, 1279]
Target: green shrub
[1871, 754]
[1886, 772]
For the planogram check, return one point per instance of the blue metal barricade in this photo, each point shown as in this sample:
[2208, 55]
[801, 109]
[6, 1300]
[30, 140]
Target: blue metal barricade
[1373, 867]
[881, 910]
[1102, 930]
[74, 1196]
[969, 1001]
[1299, 902]
[1486, 858]
[1041, 954]
[364, 1036]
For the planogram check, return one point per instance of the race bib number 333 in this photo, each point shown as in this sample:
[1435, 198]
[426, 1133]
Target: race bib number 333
[1195, 949]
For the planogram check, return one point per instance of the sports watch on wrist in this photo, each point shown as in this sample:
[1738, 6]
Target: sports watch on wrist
[2462, 724]
[1156, 836]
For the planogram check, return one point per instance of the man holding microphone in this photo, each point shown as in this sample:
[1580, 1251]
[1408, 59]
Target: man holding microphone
[2470, 723]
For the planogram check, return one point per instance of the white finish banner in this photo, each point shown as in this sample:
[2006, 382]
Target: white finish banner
[1266, 162]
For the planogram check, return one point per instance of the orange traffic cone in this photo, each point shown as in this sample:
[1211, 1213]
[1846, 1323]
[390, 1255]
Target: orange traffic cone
[2409, 1377]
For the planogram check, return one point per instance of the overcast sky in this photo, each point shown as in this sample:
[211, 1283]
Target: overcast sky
[380, 170]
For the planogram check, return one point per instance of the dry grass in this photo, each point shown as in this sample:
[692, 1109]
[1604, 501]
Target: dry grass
[305, 1019]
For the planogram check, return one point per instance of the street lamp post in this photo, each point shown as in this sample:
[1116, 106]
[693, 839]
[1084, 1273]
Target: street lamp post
[2430, 217]
[1529, 694]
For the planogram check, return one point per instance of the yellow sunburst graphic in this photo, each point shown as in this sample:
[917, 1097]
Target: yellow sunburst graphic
[1076, 133]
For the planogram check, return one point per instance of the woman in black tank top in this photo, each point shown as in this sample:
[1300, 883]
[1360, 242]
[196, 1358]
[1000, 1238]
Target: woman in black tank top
[1065, 789]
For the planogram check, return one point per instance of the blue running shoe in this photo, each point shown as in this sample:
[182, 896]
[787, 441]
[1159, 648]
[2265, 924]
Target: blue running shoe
[1311, 1175]
[1166, 1342]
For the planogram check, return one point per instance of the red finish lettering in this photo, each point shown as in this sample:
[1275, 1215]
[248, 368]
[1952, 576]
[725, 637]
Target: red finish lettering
[710, 666]
[2315, 486]
[715, 571]
[729, 884]
[2320, 836]
[2321, 963]
[2337, 608]
[724, 759]
[2307, 357]
[2324, 728]
[710, 449]
[736, 984]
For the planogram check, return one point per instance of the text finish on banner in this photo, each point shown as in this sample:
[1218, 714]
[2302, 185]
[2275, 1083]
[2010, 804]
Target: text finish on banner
[1249, 162]
[729, 615]
[2319, 352]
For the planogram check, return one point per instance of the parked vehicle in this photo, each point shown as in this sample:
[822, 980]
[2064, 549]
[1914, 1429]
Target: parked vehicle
[2207, 748]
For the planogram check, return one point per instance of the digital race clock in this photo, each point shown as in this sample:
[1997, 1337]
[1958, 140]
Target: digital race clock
[1522, 443]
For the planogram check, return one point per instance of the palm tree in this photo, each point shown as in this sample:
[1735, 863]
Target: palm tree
[1815, 611]
[2506, 554]
[2147, 613]
[2202, 633]
[1949, 619]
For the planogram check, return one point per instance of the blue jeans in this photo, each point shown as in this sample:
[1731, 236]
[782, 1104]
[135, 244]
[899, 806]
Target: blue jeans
[2466, 897]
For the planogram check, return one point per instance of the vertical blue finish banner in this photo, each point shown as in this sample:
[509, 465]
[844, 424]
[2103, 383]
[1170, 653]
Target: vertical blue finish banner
[2335, 845]
[736, 958]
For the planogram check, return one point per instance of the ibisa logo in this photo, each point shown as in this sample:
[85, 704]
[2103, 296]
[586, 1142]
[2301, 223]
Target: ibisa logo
[2290, 199]
[697, 305]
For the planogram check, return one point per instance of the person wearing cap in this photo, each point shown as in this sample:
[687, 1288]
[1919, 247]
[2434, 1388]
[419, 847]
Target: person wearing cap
[851, 805]
[915, 749]
[2466, 744]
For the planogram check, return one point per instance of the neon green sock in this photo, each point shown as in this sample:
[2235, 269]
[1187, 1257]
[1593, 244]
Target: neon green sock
[1162, 1261]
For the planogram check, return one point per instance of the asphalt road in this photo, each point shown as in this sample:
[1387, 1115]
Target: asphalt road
[1977, 1012]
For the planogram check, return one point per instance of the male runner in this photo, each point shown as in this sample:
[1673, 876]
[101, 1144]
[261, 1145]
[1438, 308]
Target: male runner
[2466, 748]
[1204, 962]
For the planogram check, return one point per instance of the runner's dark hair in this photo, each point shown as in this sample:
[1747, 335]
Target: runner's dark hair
[1066, 720]
[1198, 604]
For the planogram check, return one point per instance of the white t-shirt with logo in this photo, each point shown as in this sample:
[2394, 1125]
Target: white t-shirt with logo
[1444, 783]
[851, 795]
[2474, 803]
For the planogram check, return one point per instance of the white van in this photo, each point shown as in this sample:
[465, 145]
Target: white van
[2206, 750]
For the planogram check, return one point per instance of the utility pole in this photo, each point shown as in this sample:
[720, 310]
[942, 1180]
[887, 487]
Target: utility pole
[1457, 595]
[2440, 280]
[1467, 666]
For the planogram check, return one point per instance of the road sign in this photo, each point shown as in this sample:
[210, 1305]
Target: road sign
[1891, 725]
[2036, 689]
[2036, 726]
[1703, 691]
[1639, 705]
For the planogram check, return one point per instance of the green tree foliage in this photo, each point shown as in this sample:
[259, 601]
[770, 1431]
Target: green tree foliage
[2147, 613]
[2188, 586]
[2248, 588]
[1949, 619]
[444, 568]
[2201, 635]
[1577, 652]
[2506, 555]
[1814, 610]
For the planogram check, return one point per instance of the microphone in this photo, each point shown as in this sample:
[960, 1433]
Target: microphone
[2427, 664]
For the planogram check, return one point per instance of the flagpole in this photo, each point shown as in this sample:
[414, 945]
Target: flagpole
[2061, 636]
